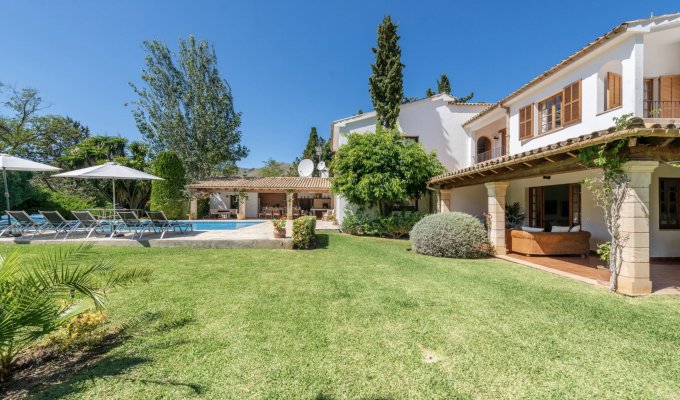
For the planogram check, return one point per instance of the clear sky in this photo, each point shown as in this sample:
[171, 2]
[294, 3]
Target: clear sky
[292, 64]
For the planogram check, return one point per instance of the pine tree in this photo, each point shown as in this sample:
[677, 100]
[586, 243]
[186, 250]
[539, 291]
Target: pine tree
[386, 80]
[429, 92]
[443, 85]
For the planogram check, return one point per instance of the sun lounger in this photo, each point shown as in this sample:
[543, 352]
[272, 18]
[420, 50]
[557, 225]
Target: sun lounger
[23, 223]
[161, 222]
[57, 222]
[130, 221]
[88, 223]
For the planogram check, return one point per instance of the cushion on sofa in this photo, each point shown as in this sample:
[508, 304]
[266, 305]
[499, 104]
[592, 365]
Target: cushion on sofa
[531, 229]
[575, 228]
[557, 228]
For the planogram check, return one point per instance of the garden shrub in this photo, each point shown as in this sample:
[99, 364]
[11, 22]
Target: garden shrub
[393, 226]
[83, 330]
[168, 195]
[49, 200]
[454, 235]
[203, 209]
[304, 232]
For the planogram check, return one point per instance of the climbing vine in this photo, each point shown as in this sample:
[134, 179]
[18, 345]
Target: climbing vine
[610, 191]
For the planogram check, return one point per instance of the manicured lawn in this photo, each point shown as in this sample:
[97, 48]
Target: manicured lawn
[364, 318]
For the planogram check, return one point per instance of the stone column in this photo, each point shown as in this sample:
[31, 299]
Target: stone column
[193, 207]
[445, 200]
[290, 196]
[242, 200]
[496, 196]
[633, 277]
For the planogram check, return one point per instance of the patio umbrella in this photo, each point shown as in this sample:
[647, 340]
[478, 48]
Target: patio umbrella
[109, 170]
[12, 163]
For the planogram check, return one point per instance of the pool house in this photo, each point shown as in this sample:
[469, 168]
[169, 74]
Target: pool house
[263, 198]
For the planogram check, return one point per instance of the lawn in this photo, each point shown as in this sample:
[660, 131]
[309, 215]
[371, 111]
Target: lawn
[365, 318]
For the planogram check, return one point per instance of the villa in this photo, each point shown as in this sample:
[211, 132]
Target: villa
[524, 148]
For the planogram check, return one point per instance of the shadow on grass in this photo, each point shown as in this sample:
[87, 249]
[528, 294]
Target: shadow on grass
[53, 374]
[322, 240]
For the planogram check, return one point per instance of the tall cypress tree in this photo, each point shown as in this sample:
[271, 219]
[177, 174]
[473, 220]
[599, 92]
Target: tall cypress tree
[386, 81]
[312, 143]
[443, 85]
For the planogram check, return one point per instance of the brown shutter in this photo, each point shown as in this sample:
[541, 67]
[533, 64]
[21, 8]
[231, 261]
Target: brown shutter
[613, 90]
[669, 96]
[526, 124]
[572, 103]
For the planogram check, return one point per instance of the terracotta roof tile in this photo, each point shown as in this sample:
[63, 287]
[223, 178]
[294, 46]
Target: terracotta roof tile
[275, 183]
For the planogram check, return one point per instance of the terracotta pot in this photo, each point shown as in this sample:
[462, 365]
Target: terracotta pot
[279, 233]
[240, 216]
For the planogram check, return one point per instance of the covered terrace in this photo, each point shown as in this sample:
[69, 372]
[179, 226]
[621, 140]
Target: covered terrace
[267, 197]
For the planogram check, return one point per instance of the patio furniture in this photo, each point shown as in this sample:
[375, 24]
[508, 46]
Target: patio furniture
[23, 223]
[133, 224]
[327, 215]
[57, 222]
[89, 223]
[224, 214]
[550, 243]
[215, 212]
[262, 213]
[161, 222]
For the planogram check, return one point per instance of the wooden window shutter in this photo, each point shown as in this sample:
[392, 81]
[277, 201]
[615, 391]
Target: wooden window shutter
[669, 96]
[526, 123]
[572, 103]
[613, 90]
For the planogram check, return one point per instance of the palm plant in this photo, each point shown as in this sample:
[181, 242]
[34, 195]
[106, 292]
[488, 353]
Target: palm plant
[40, 296]
[514, 217]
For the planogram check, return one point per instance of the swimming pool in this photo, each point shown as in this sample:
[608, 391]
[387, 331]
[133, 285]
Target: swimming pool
[221, 225]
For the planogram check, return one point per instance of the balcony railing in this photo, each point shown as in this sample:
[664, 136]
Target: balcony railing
[661, 109]
[488, 155]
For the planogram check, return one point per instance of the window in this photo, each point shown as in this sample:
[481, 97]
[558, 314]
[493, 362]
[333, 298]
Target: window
[555, 205]
[550, 114]
[669, 96]
[572, 103]
[648, 97]
[613, 91]
[526, 122]
[233, 201]
[411, 138]
[668, 203]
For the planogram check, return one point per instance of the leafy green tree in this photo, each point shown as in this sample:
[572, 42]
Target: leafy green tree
[16, 131]
[443, 85]
[382, 168]
[429, 92]
[168, 195]
[272, 168]
[38, 297]
[386, 80]
[185, 106]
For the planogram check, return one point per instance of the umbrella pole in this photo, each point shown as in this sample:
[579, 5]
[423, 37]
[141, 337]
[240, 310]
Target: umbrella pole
[114, 198]
[4, 178]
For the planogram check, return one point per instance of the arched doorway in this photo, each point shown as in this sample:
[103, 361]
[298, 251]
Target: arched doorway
[483, 149]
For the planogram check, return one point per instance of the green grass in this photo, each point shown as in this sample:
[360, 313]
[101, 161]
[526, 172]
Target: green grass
[360, 318]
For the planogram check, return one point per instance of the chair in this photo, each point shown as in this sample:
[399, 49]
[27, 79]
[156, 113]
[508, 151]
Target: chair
[23, 223]
[89, 223]
[296, 212]
[57, 222]
[262, 213]
[326, 216]
[215, 212]
[160, 221]
[133, 224]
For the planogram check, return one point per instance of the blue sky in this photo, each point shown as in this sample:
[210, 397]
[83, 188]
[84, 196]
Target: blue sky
[291, 64]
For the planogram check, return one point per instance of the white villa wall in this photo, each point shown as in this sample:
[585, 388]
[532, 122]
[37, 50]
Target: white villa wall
[662, 242]
[625, 57]
[220, 200]
[470, 199]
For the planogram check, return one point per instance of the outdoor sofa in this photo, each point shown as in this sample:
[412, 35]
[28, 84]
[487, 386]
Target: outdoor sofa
[550, 243]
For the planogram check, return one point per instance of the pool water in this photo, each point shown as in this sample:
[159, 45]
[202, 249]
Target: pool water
[221, 226]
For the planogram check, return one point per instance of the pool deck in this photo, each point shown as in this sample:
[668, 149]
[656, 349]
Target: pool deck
[260, 236]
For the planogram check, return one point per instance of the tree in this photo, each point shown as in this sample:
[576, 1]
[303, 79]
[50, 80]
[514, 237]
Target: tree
[168, 195]
[16, 131]
[185, 106]
[314, 143]
[443, 85]
[610, 192]
[272, 168]
[310, 148]
[386, 80]
[382, 168]
[38, 297]
[429, 92]
[465, 99]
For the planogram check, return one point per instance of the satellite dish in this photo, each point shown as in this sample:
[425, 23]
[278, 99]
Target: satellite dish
[306, 167]
[321, 166]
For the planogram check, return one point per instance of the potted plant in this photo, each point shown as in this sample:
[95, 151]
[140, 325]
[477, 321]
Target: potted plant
[514, 217]
[279, 227]
[603, 250]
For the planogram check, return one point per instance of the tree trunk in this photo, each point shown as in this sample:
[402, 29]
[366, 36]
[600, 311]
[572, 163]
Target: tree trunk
[613, 262]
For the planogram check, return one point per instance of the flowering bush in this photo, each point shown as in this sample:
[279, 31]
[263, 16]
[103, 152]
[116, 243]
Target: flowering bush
[279, 223]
